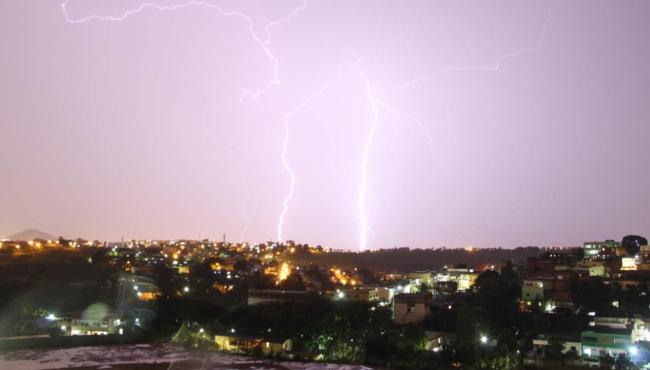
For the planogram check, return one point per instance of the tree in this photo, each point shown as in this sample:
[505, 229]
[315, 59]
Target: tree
[164, 277]
[293, 282]
[314, 273]
[508, 272]
[508, 361]
[368, 276]
[632, 244]
[498, 295]
[555, 350]
[606, 362]
[507, 339]
[241, 266]
[469, 328]
[623, 362]
[486, 278]
[592, 294]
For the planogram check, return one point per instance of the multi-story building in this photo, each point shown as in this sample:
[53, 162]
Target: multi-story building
[462, 278]
[423, 277]
[99, 323]
[364, 294]
[539, 289]
[571, 343]
[240, 343]
[612, 321]
[590, 268]
[602, 251]
[410, 307]
[602, 341]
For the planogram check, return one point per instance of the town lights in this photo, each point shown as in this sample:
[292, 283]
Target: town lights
[50, 317]
[484, 339]
[186, 289]
[633, 350]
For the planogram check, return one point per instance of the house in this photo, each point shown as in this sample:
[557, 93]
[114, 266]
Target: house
[436, 340]
[590, 268]
[384, 293]
[421, 277]
[602, 341]
[92, 323]
[241, 343]
[571, 343]
[537, 289]
[612, 320]
[364, 294]
[410, 307]
[462, 278]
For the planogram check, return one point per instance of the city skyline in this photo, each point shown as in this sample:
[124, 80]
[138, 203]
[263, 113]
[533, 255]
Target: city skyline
[351, 125]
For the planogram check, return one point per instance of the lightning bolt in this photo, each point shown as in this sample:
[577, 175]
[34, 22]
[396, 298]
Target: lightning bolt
[374, 103]
[262, 42]
[489, 68]
[285, 160]
[363, 181]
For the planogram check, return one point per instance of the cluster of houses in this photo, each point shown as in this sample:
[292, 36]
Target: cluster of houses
[546, 282]
[548, 285]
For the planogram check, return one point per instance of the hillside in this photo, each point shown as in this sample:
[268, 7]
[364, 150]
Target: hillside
[31, 234]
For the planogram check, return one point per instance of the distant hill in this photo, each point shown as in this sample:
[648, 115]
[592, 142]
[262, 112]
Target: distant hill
[31, 234]
[404, 259]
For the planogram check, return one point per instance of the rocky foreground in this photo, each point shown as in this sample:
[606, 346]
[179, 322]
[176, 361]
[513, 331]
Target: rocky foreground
[147, 357]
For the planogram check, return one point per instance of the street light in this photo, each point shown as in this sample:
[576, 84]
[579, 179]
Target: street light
[633, 350]
[484, 339]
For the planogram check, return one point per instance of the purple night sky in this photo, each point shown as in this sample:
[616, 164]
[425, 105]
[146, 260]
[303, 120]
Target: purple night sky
[410, 123]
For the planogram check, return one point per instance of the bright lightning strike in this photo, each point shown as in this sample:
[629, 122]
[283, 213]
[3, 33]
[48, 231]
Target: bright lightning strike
[363, 182]
[263, 43]
[285, 160]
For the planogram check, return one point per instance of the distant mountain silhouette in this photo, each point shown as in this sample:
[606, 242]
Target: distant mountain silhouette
[31, 234]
